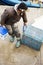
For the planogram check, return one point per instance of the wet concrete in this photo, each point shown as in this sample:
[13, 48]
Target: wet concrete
[10, 55]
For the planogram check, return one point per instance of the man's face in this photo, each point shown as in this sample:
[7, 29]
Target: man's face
[20, 10]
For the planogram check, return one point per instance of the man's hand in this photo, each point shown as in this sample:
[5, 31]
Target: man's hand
[0, 24]
[25, 23]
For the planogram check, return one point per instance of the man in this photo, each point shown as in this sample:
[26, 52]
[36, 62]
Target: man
[11, 16]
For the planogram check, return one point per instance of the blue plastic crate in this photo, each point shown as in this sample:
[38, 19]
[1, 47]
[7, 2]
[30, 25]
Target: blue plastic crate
[3, 30]
[33, 37]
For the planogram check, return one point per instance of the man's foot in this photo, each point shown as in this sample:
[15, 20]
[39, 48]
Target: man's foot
[18, 44]
[11, 39]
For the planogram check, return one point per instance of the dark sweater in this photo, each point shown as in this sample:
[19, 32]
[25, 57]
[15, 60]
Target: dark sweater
[10, 16]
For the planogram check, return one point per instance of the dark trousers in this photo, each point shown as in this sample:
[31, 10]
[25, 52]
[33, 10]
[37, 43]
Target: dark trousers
[13, 30]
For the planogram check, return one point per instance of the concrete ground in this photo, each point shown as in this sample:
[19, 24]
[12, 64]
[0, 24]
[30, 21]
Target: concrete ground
[10, 55]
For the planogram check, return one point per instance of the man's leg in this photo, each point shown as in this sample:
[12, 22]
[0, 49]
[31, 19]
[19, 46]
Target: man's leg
[17, 34]
[10, 32]
[18, 39]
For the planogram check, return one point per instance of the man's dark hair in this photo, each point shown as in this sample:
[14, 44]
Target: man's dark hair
[22, 6]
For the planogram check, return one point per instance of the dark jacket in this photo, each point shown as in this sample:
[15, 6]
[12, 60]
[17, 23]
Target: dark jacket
[10, 16]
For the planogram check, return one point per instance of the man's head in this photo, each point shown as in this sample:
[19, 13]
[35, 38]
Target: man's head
[22, 7]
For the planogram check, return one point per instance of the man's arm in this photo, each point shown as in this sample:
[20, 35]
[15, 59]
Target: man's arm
[24, 18]
[3, 17]
[25, 21]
